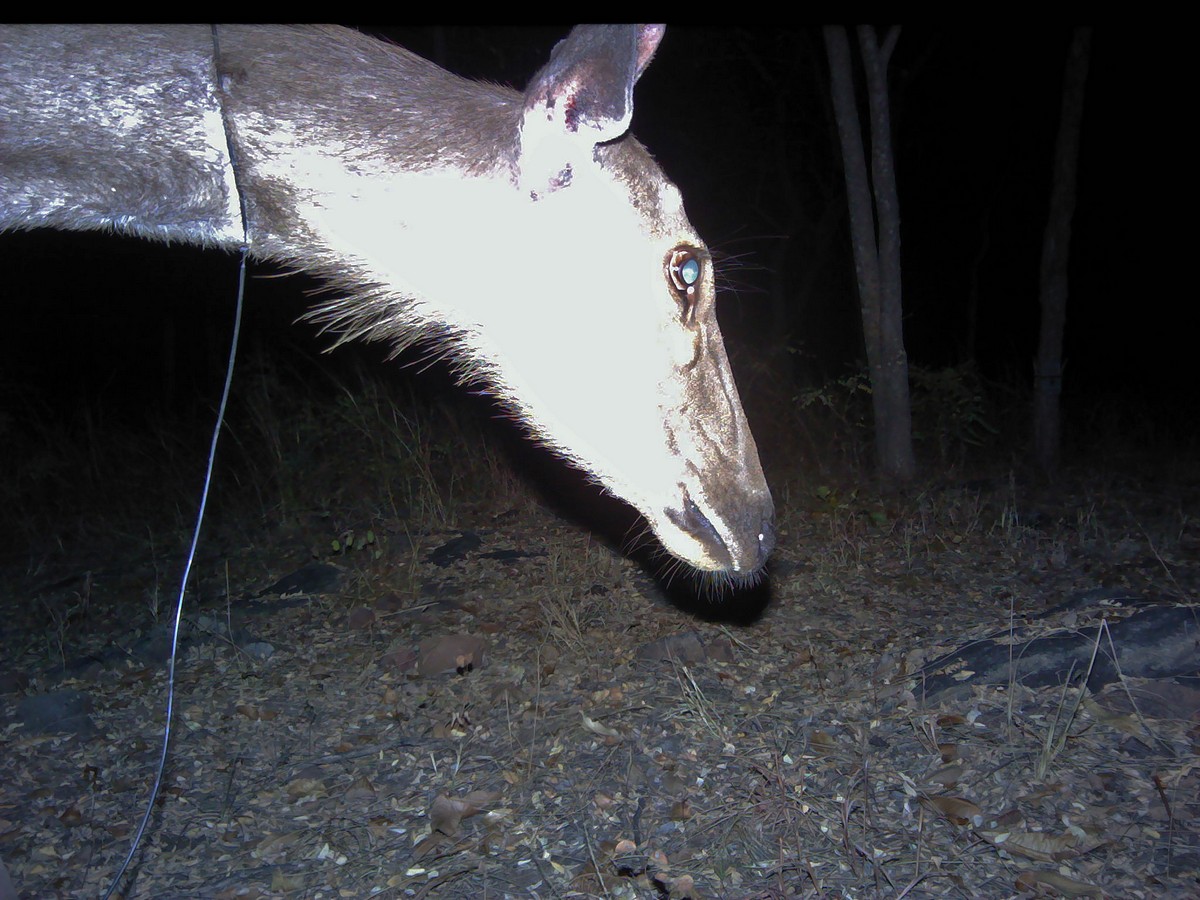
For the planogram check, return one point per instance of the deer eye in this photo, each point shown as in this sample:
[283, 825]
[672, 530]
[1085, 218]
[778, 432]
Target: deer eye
[684, 269]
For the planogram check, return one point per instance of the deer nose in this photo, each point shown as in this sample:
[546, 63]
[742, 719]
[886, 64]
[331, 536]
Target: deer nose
[759, 541]
[745, 542]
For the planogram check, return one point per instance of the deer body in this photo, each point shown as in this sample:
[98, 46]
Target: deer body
[528, 235]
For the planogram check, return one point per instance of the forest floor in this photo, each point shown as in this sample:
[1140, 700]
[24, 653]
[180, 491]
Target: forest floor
[512, 708]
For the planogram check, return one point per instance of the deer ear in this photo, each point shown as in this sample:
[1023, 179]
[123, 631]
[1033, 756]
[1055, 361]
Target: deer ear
[582, 97]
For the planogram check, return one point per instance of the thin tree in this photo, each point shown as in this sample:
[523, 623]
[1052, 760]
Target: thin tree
[875, 237]
[1056, 242]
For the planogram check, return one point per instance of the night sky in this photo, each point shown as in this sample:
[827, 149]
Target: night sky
[740, 119]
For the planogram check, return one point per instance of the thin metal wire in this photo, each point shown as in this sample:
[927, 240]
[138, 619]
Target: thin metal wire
[208, 474]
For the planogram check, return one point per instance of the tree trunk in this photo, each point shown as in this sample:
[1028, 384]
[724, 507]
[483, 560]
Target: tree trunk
[875, 238]
[1047, 413]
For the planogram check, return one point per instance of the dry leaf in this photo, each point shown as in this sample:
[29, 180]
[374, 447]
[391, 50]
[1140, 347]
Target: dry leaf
[481, 798]
[71, 817]
[276, 846]
[256, 713]
[429, 844]
[285, 884]
[1049, 790]
[360, 618]
[1060, 884]
[821, 742]
[1009, 819]
[596, 728]
[1042, 846]
[947, 776]
[361, 789]
[683, 886]
[956, 809]
[446, 813]
[306, 787]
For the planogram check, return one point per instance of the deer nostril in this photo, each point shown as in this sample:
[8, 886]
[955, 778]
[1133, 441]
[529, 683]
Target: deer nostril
[766, 539]
[694, 521]
[690, 518]
[766, 542]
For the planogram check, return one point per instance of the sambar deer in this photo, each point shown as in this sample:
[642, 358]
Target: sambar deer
[529, 236]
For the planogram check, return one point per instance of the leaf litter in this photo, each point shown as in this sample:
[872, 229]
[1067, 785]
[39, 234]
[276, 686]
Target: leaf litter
[527, 716]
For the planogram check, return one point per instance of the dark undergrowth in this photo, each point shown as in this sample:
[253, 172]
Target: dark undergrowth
[330, 447]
